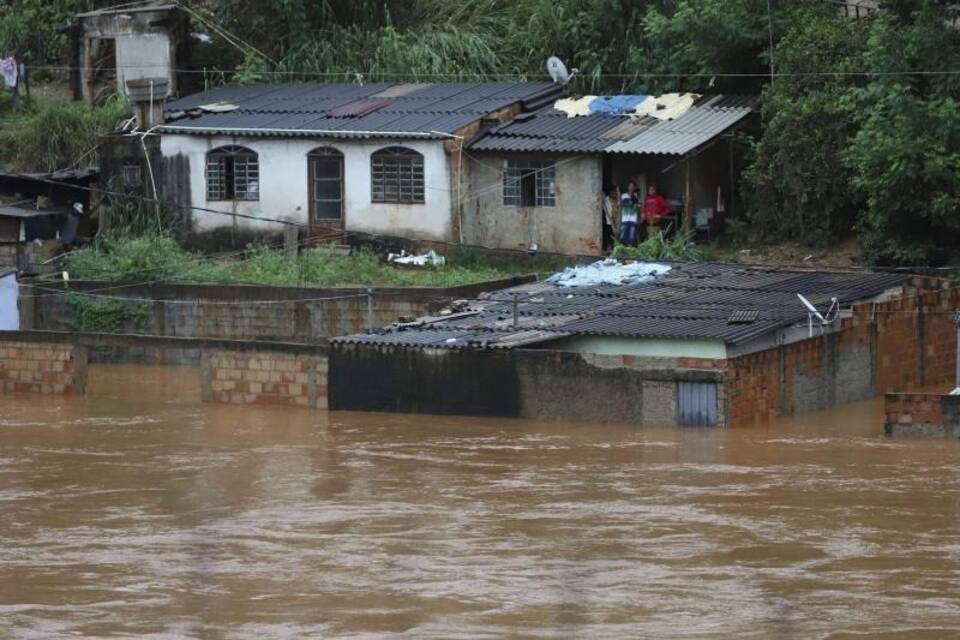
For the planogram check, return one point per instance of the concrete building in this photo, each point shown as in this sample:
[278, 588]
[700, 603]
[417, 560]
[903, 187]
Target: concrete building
[703, 344]
[573, 151]
[486, 164]
[109, 47]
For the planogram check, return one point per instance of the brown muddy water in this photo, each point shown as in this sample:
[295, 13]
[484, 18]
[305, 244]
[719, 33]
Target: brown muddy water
[138, 512]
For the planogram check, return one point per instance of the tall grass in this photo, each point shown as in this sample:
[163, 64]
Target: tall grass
[161, 257]
[51, 136]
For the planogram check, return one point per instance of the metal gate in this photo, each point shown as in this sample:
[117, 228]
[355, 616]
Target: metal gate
[698, 404]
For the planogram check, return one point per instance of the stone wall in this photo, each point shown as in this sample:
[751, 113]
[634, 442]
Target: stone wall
[922, 414]
[246, 312]
[901, 345]
[265, 377]
[42, 367]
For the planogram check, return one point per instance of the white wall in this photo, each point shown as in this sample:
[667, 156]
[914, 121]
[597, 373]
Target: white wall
[284, 191]
[9, 294]
[143, 55]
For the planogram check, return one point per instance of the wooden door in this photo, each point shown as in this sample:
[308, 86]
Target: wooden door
[326, 194]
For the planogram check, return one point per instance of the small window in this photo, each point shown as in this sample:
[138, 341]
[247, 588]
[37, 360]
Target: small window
[396, 175]
[233, 173]
[698, 404]
[131, 174]
[529, 183]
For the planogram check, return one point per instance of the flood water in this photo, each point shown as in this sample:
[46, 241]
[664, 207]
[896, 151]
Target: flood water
[136, 511]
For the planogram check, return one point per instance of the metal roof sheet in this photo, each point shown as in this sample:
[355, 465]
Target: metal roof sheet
[432, 110]
[730, 303]
[552, 130]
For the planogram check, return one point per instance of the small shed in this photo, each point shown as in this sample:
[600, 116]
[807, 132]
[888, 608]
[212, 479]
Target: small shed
[109, 47]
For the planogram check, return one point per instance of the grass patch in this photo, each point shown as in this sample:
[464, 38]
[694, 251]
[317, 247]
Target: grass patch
[150, 258]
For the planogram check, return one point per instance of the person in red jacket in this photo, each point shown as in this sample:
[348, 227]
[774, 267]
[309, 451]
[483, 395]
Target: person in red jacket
[655, 207]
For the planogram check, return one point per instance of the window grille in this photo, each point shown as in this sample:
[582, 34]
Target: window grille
[529, 183]
[396, 175]
[233, 173]
[131, 175]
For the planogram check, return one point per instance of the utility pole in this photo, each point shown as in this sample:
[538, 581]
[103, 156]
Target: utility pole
[956, 321]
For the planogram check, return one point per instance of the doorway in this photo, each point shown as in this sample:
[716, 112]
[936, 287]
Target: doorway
[326, 193]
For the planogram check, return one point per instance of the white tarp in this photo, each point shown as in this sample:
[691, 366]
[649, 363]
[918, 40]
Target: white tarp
[9, 294]
[430, 258]
[608, 271]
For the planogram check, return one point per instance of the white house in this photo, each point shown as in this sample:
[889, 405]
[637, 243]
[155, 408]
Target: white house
[379, 158]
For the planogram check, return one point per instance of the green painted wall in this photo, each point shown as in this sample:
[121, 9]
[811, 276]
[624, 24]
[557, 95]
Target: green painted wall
[611, 345]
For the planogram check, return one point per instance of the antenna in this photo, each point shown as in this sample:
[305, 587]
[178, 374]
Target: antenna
[558, 70]
[813, 313]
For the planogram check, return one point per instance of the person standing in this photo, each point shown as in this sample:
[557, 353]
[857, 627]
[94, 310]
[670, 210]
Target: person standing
[628, 219]
[655, 208]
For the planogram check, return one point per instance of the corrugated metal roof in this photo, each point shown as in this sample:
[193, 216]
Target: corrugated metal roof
[731, 303]
[552, 131]
[341, 110]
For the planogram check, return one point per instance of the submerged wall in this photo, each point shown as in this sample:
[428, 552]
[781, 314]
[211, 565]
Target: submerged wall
[41, 366]
[922, 414]
[900, 345]
[241, 312]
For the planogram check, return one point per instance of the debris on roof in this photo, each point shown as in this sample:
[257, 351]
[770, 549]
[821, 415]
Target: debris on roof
[647, 130]
[734, 304]
[608, 271]
[663, 107]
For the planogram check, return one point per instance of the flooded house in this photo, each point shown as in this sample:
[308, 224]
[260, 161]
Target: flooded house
[498, 165]
[111, 46]
[688, 344]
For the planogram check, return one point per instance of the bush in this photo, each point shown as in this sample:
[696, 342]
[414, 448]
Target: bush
[679, 248]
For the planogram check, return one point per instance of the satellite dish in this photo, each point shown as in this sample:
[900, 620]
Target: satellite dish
[558, 70]
[812, 309]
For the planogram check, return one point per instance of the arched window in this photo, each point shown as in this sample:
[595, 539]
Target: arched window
[233, 173]
[396, 175]
[325, 165]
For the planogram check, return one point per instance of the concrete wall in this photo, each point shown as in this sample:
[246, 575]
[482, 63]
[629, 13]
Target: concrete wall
[610, 388]
[147, 43]
[572, 226]
[284, 190]
[547, 385]
[900, 345]
[616, 345]
[265, 377]
[41, 367]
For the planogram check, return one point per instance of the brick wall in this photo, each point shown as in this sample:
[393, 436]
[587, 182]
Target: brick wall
[265, 377]
[42, 367]
[901, 345]
[922, 414]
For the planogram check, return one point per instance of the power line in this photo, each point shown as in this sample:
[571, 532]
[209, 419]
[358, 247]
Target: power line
[527, 76]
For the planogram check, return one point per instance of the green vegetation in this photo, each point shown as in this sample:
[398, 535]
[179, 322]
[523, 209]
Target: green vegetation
[104, 315]
[860, 128]
[148, 258]
[50, 136]
[678, 248]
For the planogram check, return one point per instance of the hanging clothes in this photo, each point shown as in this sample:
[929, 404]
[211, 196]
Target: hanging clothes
[9, 69]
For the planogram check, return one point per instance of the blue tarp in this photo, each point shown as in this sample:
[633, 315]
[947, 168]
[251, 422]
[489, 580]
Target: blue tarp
[616, 105]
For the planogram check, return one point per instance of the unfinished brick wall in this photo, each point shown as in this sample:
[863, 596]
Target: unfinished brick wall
[901, 345]
[265, 377]
[42, 367]
[913, 409]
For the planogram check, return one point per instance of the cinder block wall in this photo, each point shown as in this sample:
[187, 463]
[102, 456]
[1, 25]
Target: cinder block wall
[248, 312]
[901, 345]
[265, 377]
[922, 414]
[42, 367]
